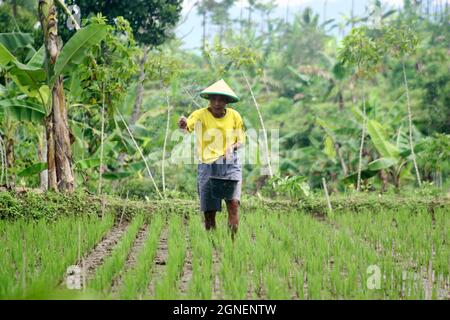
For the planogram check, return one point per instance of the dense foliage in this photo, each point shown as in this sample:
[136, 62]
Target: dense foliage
[318, 89]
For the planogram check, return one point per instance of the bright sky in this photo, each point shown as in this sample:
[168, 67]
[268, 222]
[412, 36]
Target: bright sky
[190, 29]
[282, 3]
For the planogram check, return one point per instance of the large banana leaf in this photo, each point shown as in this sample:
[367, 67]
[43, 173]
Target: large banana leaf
[87, 163]
[365, 174]
[329, 149]
[372, 169]
[23, 110]
[380, 140]
[28, 75]
[29, 78]
[402, 141]
[5, 56]
[117, 175]
[326, 124]
[37, 60]
[35, 168]
[16, 40]
[74, 52]
[382, 163]
[418, 147]
[2, 90]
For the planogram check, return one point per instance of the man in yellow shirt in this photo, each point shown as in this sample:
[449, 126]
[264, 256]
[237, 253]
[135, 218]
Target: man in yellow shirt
[220, 132]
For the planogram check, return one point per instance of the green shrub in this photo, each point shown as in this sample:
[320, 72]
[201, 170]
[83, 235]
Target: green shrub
[10, 207]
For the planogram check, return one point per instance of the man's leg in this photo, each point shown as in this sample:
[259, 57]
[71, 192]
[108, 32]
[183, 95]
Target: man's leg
[233, 217]
[210, 220]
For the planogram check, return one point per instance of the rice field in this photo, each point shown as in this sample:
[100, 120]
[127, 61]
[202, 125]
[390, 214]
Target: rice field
[394, 254]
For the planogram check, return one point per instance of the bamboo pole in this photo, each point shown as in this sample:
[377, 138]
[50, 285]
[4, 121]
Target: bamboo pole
[165, 143]
[141, 154]
[102, 140]
[67, 11]
[3, 160]
[266, 145]
[326, 194]
[411, 144]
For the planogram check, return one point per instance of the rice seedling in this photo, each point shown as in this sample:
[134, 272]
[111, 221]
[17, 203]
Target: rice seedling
[167, 287]
[200, 286]
[136, 280]
[35, 255]
[111, 267]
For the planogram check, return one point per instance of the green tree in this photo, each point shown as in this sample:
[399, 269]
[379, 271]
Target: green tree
[401, 42]
[360, 50]
[150, 20]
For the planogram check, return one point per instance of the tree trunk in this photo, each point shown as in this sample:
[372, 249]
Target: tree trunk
[341, 100]
[51, 171]
[341, 159]
[63, 152]
[204, 31]
[10, 160]
[59, 155]
[3, 172]
[363, 132]
[14, 8]
[166, 135]
[42, 155]
[384, 181]
[140, 88]
[266, 144]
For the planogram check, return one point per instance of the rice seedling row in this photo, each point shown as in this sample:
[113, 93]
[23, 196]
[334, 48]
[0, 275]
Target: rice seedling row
[285, 255]
[35, 254]
[104, 275]
[136, 280]
[166, 287]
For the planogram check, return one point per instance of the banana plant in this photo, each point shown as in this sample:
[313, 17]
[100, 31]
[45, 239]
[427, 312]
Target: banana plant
[393, 157]
[42, 83]
[296, 187]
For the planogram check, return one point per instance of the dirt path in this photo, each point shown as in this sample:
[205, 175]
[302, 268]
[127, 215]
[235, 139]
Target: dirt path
[131, 259]
[102, 250]
[187, 269]
[160, 261]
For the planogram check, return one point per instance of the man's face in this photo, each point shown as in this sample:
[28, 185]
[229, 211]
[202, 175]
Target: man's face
[217, 101]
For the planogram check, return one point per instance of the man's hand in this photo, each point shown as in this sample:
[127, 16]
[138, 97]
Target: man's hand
[182, 123]
[229, 153]
[230, 150]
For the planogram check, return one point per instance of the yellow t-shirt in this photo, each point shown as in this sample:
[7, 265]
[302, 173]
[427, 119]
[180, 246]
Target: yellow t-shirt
[214, 135]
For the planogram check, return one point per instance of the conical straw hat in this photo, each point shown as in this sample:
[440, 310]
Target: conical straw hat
[220, 87]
